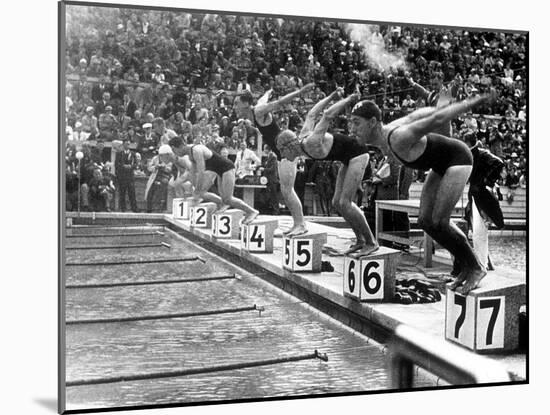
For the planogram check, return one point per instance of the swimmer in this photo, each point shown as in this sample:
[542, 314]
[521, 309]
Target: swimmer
[261, 115]
[207, 166]
[314, 142]
[412, 141]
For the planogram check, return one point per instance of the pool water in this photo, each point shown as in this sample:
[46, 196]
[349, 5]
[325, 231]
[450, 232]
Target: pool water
[509, 253]
[286, 327]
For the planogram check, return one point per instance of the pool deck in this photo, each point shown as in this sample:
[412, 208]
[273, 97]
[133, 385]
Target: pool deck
[429, 318]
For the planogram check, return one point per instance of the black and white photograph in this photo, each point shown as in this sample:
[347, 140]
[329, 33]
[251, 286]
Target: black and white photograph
[265, 206]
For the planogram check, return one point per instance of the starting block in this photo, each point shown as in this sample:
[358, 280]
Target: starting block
[304, 252]
[227, 224]
[371, 278]
[201, 215]
[258, 235]
[487, 319]
[181, 207]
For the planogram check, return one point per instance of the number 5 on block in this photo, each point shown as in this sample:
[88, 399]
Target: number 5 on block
[304, 253]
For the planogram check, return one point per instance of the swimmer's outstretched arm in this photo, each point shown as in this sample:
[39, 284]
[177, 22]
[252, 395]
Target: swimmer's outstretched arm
[320, 106]
[335, 109]
[313, 114]
[419, 89]
[330, 114]
[263, 108]
[441, 116]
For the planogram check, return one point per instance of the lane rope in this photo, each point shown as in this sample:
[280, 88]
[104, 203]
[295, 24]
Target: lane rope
[129, 246]
[138, 283]
[113, 235]
[197, 371]
[166, 316]
[150, 261]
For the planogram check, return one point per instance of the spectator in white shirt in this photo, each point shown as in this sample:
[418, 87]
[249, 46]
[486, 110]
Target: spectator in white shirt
[246, 161]
[78, 134]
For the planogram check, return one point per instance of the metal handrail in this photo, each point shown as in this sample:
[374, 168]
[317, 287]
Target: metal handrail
[458, 366]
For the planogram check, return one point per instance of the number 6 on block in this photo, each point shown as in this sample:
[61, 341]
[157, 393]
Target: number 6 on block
[372, 280]
[351, 277]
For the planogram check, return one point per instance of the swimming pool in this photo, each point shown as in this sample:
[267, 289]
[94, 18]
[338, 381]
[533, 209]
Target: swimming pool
[286, 327]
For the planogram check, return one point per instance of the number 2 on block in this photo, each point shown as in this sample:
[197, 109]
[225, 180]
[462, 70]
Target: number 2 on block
[200, 217]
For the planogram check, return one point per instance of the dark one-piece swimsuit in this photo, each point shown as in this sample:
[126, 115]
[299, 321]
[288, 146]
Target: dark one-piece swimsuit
[440, 153]
[269, 134]
[216, 163]
[343, 149]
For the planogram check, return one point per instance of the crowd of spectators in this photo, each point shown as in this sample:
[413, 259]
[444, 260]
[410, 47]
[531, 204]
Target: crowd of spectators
[146, 76]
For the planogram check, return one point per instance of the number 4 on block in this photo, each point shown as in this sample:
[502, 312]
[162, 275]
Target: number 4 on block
[258, 236]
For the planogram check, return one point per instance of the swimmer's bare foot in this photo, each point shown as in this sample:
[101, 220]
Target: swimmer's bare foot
[367, 250]
[355, 247]
[221, 209]
[472, 282]
[455, 272]
[296, 231]
[250, 217]
[458, 281]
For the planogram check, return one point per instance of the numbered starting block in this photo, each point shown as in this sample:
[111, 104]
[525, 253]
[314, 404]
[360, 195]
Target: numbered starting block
[201, 215]
[304, 252]
[371, 278]
[227, 224]
[258, 235]
[487, 319]
[181, 207]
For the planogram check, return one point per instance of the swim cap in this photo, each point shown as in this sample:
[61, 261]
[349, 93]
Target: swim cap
[285, 138]
[367, 109]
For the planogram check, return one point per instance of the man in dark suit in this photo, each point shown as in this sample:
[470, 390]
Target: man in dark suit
[98, 89]
[123, 121]
[125, 163]
[103, 103]
[130, 106]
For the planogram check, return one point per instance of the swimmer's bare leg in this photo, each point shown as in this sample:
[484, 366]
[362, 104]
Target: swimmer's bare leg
[287, 175]
[348, 181]
[226, 184]
[204, 184]
[440, 194]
